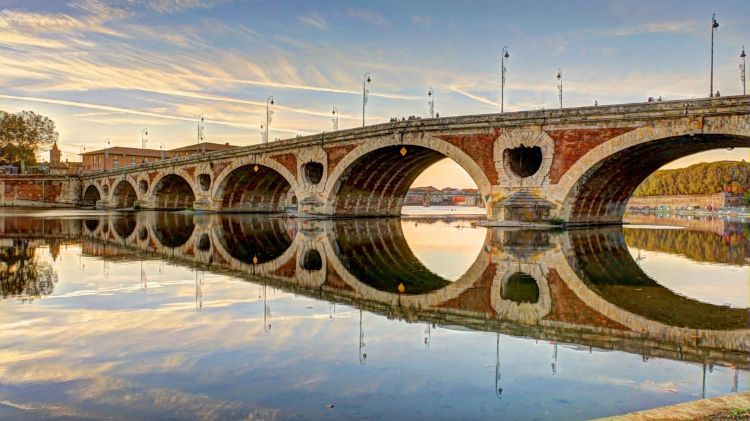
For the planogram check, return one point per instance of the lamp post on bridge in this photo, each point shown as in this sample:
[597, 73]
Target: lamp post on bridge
[106, 152]
[365, 93]
[144, 133]
[503, 70]
[559, 87]
[743, 69]
[201, 129]
[269, 116]
[431, 102]
[714, 28]
[335, 119]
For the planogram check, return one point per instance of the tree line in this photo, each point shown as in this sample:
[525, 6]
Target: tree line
[702, 178]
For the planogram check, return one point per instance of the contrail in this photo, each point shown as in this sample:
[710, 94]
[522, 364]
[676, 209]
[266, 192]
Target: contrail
[307, 87]
[240, 101]
[476, 97]
[89, 106]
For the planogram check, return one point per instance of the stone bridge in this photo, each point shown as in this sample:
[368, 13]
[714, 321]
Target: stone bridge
[580, 287]
[578, 164]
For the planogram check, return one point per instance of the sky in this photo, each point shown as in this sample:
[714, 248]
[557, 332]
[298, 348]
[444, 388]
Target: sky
[105, 69]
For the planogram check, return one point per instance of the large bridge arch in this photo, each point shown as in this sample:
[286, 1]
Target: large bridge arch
[374, 177]
[254, 184]
[597, 187]
[173, 191]
[124, 194]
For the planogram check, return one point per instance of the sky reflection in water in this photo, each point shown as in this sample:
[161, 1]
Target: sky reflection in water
[191, 341]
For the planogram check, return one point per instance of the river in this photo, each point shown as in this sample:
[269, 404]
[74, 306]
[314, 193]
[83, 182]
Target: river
[174, 315]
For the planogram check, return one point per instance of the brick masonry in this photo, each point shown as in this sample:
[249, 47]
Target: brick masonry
[39, 191]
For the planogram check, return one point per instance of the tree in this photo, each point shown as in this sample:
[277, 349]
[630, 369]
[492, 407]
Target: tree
[23, 134]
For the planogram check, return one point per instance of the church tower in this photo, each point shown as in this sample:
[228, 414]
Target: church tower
[54, 154]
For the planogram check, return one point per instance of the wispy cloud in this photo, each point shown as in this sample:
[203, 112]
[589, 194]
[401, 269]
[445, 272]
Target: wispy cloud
[368, 16]
[315, 20]
[475, 97]
[651, 28]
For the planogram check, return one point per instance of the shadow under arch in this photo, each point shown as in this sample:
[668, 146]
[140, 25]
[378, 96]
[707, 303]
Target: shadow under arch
[601, 193]
[124, 226]
[173, 192]
[254, 239]
[374, 178]
[253, 188]
[600, 258]
[124, 195]
[172, 229]
[90, 196]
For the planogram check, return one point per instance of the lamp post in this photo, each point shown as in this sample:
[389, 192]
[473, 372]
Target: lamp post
[559, 86]
[743, 69]
[106, 152]
[365, 92]
[144, 133]
[201, 128]
[503, 70]
[269, 115]
[335, 119]
[714, 27]
[431, 102]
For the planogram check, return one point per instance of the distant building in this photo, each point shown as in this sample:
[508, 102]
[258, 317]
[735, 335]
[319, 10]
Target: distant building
[119, 157]
[57, 167]
[449, 196]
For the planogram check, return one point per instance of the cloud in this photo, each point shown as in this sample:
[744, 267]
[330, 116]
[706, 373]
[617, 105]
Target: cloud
[315, 20]
[481, 99]
[687, 27]
[101, 107]
[368, 16]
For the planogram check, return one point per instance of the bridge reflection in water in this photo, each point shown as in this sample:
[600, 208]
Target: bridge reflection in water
[581, 287]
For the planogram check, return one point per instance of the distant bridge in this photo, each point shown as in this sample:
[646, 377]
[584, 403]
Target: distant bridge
[578, 164]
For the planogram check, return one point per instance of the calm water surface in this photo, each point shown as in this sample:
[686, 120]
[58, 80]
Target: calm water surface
[181, 316]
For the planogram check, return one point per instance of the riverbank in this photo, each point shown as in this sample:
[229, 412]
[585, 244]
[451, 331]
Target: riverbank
[728, 407]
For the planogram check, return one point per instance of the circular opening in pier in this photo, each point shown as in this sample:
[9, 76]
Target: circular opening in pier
[143, 186]
[312, 261]
[204, 180]
[523, 161]
[521, 288]
[313, 172]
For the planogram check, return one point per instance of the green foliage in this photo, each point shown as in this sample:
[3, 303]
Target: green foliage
[556, 221]
[22, 135]
[702, 178]
[746, 198]
[731, 248]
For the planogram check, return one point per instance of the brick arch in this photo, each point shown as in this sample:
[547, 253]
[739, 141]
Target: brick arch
[124, 194]
[173, 191]
[90, 195]
[239, 187]
[597, 187]
[374, 177]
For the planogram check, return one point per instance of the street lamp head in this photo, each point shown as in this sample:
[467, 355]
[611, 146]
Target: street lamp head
[559, 74]
[714, 24]
[272, 101]
[334, 111]
[506, 55]
[368, 79]
[742, 54]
